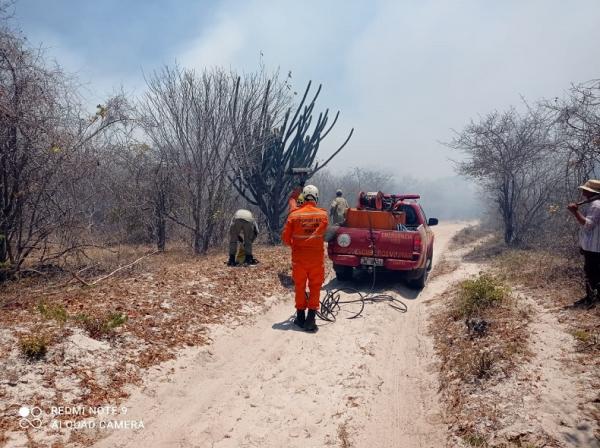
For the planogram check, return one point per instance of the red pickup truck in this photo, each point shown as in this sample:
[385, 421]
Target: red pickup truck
[384, 232]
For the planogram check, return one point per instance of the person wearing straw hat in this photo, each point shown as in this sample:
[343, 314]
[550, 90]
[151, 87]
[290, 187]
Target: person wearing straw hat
[589, 239]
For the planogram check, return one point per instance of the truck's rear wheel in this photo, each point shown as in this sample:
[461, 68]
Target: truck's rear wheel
[343, 273]
[419, 282]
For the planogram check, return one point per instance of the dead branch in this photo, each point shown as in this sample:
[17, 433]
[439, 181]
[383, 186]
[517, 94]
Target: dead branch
[78, 278]
[95, 282]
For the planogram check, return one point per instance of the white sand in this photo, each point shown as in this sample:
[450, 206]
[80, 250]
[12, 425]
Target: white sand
[370, 380]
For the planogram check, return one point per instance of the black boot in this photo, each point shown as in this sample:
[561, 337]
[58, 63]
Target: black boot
[300, 318]
[250, 260]
[232, 261]
[309, 324]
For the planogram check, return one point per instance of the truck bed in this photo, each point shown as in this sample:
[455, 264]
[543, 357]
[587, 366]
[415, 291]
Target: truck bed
[384, 232]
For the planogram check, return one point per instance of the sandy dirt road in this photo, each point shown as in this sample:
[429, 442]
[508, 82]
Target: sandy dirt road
[367, 382]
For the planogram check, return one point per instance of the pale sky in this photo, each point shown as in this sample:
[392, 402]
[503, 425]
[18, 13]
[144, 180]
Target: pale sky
[403, 73]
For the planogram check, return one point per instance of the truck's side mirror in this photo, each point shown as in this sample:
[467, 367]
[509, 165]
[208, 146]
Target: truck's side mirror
[432, 222]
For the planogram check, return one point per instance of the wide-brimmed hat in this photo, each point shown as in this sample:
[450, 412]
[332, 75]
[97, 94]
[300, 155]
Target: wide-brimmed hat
[592, 185]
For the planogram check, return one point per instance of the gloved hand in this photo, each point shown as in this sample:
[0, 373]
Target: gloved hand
[295, 193]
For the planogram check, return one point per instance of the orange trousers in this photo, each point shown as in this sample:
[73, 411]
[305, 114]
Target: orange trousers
[304, 272]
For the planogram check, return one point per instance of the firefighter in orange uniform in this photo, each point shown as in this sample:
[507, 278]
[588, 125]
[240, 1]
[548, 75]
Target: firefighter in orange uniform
[304, 231]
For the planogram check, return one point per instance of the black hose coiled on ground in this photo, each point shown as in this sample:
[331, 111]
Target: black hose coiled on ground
[331, 304]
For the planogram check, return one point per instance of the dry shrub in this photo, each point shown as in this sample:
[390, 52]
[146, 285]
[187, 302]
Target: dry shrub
[55, 312]
[476, 295]
[482, 364]
[475, 440]
[103, 326]
[34, 345]
[588, 339]
[106, 259]
[466, 357]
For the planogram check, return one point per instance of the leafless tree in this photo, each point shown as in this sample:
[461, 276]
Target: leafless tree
[187, 119]
[511, 156]
[577, 122]
[44, 135]
[6, 9]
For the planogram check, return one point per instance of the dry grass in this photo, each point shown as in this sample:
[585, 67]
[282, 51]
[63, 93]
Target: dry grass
[344, 436]
[486, 249]
[559, 280]
[541, 270]
[56, 312]
[444, 267]
[467, 236]
[556, 281]
[532, 268]
[475, 440]
[141, 317]
[473, 362]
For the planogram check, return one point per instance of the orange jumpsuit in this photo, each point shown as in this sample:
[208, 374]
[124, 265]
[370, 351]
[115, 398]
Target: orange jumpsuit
[304, 231]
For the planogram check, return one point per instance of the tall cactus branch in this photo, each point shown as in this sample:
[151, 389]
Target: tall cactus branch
[265, 154]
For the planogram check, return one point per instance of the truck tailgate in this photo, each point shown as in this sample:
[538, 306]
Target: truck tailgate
[388, 243]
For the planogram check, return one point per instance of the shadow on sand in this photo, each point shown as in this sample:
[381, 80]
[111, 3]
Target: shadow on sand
[288, 325]
[385, 282]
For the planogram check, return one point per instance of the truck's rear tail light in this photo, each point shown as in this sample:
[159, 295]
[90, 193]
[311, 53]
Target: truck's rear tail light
[417, 244]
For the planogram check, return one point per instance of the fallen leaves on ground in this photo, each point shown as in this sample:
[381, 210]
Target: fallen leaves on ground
[170, 301]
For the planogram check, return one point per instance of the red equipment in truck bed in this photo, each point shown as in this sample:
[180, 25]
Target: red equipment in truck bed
[387, 232]
[365, 219]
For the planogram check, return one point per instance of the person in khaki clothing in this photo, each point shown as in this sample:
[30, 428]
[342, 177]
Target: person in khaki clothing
[242, 223]
[338, 208]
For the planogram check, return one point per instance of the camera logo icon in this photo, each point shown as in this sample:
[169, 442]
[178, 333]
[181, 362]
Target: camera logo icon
[30, 417]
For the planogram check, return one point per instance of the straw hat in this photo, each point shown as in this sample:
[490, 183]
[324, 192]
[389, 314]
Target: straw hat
[592, 185]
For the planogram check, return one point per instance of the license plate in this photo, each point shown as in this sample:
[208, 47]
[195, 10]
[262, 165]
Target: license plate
[371, 261]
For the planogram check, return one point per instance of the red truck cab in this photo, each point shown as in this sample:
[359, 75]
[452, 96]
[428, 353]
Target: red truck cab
[384, 232]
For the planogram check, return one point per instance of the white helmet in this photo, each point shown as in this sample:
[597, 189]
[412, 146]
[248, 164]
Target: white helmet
[312, 191]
